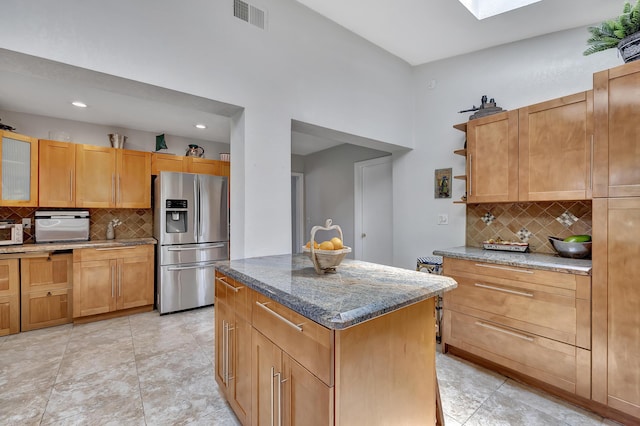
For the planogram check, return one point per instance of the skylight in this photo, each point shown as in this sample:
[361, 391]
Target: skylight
[486, 8]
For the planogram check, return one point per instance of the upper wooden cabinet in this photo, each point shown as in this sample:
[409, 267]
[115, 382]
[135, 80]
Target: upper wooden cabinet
[492, 158]
[541, 152]
[57, 174]
[555, 149]
[18, 170]
[178, 163]
[617, 132]
[166, 163]
[112, 178]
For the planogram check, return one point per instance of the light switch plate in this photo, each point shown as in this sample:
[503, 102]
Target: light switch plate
[443, 219]
[26, 223]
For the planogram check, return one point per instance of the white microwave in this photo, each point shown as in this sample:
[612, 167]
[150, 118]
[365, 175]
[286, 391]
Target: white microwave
[10, 233]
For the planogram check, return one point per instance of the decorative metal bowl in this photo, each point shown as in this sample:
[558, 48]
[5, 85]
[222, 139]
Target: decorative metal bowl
[571, 250]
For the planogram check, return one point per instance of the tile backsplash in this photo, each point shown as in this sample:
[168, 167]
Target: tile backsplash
[136, 223]
[530, 222]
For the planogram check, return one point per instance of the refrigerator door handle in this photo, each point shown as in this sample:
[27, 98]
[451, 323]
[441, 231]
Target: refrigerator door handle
[200, 247]
[184, 268]
[196, 209]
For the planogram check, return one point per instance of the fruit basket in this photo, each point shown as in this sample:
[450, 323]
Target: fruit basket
[325, 261]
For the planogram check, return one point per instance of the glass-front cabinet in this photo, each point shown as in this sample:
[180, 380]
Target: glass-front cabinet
[19, 170]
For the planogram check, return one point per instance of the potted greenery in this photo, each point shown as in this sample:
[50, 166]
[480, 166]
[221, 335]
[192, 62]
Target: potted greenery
[622, 32]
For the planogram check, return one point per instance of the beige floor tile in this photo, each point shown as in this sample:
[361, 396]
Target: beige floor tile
[106, 396]
[464, 387]
[502, 410]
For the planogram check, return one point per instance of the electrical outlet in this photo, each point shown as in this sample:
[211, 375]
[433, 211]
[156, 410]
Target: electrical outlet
[26, 223]
[443, 219]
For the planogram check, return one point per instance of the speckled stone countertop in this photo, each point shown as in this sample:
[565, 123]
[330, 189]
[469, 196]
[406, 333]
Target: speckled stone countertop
[358, 291]
[71, 245]
[542, 261]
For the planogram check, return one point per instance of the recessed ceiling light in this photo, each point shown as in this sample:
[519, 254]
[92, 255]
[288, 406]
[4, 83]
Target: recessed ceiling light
[79, 104]
[486, 8]
[201, 126]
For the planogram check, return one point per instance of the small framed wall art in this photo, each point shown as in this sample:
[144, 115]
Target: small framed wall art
[443, 183]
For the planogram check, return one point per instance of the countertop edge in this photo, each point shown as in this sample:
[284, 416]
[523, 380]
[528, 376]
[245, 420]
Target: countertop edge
[319, 315]
[545, 262]
[73, 245]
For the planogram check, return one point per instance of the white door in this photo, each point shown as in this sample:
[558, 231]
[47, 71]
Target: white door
[374, 211]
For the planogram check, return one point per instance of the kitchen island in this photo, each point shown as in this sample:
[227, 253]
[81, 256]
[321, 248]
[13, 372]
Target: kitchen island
[354, 347]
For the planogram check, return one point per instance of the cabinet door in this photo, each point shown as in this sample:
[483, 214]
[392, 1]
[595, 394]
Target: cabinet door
[46, 308]
[204, 166]
[94, 287]
[19, 164]
[492, 158]
[266, 371]
[135, 281]
[616, 297]
[57, 174]
[46, 273]
[9, 297]
[166, 163]
[306, 399]
[222, 322]
[240, 391]
[95, 176]
[555, 149]
[617, 146]
[133, 179]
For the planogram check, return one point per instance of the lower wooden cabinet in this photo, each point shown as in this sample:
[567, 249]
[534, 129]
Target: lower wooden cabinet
[47, 291]
[284, 392]
[616, 301]
[9, 296]
[233, 344]
[536, 323]
[112, 279]
[276, 366]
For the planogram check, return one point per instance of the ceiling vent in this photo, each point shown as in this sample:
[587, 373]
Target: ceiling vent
[249, 13]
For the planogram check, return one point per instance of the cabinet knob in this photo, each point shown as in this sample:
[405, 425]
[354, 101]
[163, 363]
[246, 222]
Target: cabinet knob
[48, 293]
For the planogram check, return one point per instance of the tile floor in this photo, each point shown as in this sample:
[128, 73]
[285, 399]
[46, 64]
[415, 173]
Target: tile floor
[148, 369]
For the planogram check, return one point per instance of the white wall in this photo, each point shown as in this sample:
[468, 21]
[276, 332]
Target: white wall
[41, 127]
[516, 75]
[303, 67]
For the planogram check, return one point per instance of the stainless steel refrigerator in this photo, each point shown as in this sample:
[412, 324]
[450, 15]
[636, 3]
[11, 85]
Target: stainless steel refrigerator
[191, 224]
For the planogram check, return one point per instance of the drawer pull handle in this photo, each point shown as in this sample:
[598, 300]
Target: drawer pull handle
[113, 248]
[277, 315]
[504, 290]
[502, 330]
[229, 286]
[522, 271]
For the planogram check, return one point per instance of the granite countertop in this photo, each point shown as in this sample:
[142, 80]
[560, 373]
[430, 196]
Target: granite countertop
[71, 245]
[548, 262]
[358, 291]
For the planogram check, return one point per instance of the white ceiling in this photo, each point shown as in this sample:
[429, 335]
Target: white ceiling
[421, 31]
[417, 31]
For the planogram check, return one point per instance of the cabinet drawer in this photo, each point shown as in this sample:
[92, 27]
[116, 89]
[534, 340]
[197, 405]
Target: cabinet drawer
[514, 273]
[46, 308]
[550, 304]
[112, 253]
[518, 305]
[558, 364]
[46, 273]
[234, 294]
[306, 341]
